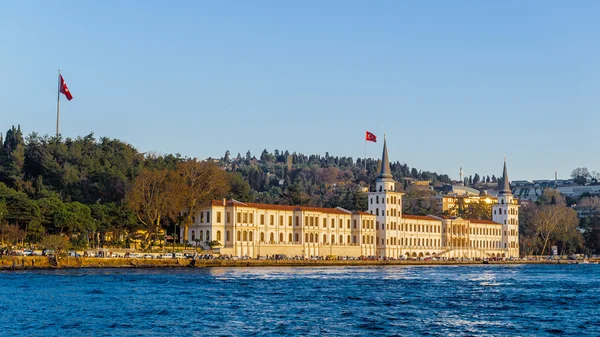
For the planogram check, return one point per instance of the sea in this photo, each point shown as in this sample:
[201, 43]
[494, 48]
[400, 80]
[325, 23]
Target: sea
[471, 300]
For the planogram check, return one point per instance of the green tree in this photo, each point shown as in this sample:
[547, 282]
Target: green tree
[153, 196]
[239, 189]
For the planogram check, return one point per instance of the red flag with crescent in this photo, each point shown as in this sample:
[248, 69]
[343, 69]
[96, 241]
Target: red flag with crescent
[64, 89]
[371, 137]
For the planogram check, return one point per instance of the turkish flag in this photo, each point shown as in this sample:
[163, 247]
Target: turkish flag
[64, 89]
[371, 137]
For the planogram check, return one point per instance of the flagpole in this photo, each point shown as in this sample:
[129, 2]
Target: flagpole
[58, 107]
[365, 154]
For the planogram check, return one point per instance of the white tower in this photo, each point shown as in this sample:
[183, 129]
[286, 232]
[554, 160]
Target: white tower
[386, 204]
[506, 212]
[460, 173]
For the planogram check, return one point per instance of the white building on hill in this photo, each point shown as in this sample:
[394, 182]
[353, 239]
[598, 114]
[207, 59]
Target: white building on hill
[251, 229]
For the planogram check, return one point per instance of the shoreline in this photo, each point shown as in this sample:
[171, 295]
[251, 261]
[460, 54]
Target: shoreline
[42, 262]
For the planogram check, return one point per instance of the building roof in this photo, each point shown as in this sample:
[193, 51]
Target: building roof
[487, 222]
[386, 171]
[504, 184]
[419, 217]
[233, 202]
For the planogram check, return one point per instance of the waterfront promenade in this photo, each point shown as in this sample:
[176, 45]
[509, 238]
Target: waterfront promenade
[42, 262]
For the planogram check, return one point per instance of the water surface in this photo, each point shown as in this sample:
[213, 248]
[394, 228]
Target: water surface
[480, 300]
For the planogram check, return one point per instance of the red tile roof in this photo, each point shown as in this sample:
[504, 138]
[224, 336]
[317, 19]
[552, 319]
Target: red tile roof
[419, 217]
[487, 222]
[280, 207]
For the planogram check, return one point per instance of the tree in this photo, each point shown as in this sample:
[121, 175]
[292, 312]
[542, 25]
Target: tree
[239, 189]
[153, 195]
[200, 183]
[11, 234]
[419, 200]
[57, 243]
[552, 197]
[581, 175]
[549, 220]
[476, 179]
[212, 244]
[479, 209]
[3, 210]
[226, 157]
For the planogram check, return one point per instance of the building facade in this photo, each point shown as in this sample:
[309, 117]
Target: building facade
[253, 229]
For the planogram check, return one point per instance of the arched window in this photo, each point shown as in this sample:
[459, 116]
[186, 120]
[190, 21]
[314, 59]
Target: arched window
[280, 237]
[251, 236]
[349, 239]
[262, 236]
[245, 236]
[272, 237]
[311, 237]
[227, 237]
[332, 239]
[376, 211]
[239, 236]
[324, 238]
[296, 237]
[341, 240]
[290, 237]
[377, 199]
[306, 237]
[207, 235]
[193, 235]
[218, 235]
[363, 239]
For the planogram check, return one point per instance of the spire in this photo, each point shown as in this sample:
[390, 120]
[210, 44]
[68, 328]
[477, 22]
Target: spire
[385, 172]
[504, 184]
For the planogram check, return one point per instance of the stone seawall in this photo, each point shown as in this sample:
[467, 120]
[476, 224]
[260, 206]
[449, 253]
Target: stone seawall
[41, 262]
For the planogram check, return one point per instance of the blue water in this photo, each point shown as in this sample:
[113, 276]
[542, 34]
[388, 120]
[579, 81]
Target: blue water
[482, 300]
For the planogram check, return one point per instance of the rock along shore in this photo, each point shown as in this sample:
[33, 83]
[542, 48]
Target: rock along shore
[42, 262]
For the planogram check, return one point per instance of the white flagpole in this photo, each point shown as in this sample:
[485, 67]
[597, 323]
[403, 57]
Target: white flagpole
[365, 154]
[58, 107]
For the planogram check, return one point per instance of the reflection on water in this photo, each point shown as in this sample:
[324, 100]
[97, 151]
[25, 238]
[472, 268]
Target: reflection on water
[492, 300]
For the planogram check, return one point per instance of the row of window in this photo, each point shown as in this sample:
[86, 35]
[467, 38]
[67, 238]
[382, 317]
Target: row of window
[394, 200]
[513, 211]
[389, 212]
[314, 238]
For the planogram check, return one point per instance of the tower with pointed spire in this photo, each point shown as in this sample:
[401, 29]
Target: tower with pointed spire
[386, 203]
[506, 212]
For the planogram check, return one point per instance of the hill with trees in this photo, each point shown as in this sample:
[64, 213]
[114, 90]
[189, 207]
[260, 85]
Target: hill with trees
[94, 190]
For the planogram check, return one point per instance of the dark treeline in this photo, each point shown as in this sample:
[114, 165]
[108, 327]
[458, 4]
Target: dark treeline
[324, 181]
[85, 188]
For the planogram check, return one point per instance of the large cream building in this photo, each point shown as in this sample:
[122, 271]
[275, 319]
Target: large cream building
[251, 229]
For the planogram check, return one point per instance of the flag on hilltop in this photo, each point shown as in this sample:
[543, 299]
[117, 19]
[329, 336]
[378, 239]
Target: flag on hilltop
[64, 89]
[371, 137]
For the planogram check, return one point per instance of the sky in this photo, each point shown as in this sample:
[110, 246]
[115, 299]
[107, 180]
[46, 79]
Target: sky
[451, 83]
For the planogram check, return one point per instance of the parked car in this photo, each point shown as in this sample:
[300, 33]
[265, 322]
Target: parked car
[73, 253]
[148, 256]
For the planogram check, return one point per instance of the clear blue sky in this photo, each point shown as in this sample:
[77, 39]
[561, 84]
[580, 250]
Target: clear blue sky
[452, 83]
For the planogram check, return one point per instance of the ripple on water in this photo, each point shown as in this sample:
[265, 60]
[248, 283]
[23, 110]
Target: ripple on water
[427, 301]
